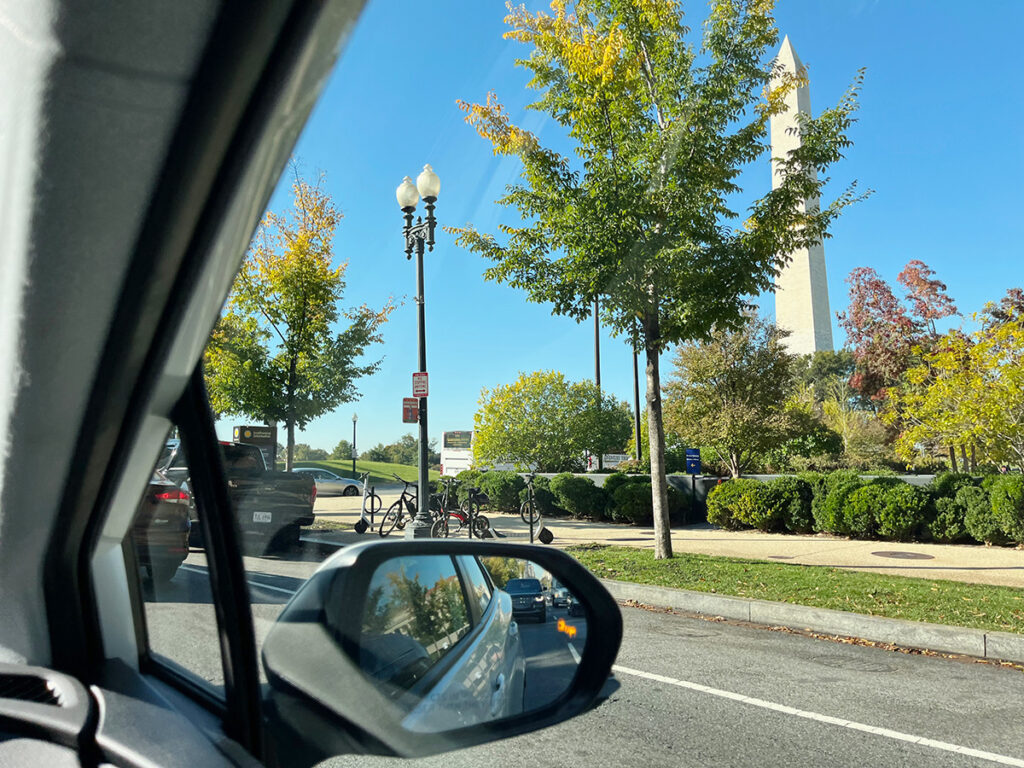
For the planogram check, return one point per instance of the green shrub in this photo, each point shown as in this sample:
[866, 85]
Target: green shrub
[466, 479]
[946, 484]
[979, 519]
[1007, 498]
[725, 501]
[502, 488]
[948, 524]
[860, 510]
[614, 481]
[816, 481]
[542, 497]
[904, 512]
[632, 503]
[763, 506]
[838, 486]
[797, 497]
[579, 496]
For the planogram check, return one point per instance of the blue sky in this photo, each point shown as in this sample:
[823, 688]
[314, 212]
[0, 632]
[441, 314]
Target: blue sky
[939, 139]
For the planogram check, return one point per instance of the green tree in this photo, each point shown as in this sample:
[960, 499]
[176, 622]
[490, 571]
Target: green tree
[730, 393]
[967, 392]
[545, 422]
[643, 219]
[300, 452]
[342, 451]
[379, 452]
[276, 354]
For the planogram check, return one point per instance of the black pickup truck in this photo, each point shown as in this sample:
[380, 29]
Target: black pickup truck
[270, 506]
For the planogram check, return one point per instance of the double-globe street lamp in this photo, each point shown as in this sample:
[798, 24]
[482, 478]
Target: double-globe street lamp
[418, 236]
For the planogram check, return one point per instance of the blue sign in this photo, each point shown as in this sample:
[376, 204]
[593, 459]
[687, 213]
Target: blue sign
[693, 461]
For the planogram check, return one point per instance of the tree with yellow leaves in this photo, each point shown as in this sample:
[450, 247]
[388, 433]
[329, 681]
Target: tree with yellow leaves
[967, 392]
[642, 218]
[276, 353]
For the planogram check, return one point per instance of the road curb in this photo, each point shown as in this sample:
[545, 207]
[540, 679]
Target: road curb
[998, 646]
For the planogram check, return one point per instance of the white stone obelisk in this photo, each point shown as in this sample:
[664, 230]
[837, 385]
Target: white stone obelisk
[801, 295]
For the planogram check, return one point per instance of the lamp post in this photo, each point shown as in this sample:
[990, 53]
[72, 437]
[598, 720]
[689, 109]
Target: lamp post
[355, 418]
[420, 236]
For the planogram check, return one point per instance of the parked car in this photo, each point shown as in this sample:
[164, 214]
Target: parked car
[161, 530]
[330, 484]
[528, 599]
[404, 654]
[271, 507]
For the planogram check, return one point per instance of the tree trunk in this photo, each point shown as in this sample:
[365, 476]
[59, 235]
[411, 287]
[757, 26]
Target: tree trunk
[963, 458]
[656, 440]
[952, 459]
[290, 418]
[974, 459]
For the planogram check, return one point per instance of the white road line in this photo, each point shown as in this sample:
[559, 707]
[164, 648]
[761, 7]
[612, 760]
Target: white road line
[203, 571]
[574, 652]
[899, 736]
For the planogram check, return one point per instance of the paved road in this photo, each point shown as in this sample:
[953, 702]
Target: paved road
[698, 693]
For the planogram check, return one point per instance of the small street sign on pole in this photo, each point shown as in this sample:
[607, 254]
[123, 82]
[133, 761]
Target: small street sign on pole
[410, 410]
[419, 385]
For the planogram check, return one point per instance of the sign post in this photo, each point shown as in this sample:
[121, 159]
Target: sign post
[693, 468]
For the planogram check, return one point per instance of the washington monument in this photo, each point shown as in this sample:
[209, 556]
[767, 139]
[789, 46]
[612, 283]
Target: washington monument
[801, 296]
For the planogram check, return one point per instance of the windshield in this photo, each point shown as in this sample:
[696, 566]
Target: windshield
[521, 586]
[725, 301]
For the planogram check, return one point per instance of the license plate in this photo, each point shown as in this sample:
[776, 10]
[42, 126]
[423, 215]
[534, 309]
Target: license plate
[262, 517]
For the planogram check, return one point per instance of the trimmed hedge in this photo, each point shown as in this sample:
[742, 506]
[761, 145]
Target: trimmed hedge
[979, 520]
[797, 495]
[542, 497]
[904, 512]
[861, 508]
[579, 496]
[614, 481]
[948, 526]
[466, 479]
[838, 487]
[726, 502]
[502, 488]
[1007, 498]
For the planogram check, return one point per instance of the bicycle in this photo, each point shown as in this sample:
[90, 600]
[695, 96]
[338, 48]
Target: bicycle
[467, 514]
[404, 506]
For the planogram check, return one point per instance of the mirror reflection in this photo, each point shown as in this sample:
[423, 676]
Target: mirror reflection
[460, 640]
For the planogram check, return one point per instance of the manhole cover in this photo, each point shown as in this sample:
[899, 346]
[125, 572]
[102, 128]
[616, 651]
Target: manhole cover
[904, 555]
[635, 538]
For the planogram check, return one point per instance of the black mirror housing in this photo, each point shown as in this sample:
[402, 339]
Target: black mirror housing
[320, 702]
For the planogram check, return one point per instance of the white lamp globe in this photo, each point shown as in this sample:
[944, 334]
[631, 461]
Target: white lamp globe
[406, 194]
[428, 183]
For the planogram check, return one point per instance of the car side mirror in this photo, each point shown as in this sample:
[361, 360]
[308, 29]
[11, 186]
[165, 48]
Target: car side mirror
[416, 647]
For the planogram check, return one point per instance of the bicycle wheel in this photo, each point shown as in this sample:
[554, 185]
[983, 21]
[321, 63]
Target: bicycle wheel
[480, 526]
[439, 528]
[391, 518]
[528, 512]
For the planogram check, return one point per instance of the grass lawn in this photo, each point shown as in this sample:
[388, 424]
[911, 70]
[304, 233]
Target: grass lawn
[328, 525]
[380, 471]
[898, 597]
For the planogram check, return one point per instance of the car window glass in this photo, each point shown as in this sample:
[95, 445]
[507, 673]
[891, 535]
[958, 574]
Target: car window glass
[169, 561]
[478, 587]
[415, 613]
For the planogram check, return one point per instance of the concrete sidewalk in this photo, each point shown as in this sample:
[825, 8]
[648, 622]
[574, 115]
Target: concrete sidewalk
[958, 562]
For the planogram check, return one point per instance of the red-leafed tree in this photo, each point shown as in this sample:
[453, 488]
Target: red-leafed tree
[883, 331]
[927, 296]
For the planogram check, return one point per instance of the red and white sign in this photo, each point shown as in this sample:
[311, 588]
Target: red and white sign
[419, 385]
[410, 410]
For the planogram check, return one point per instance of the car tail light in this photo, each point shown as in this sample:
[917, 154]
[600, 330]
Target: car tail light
[177, 496]
[312, 496]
